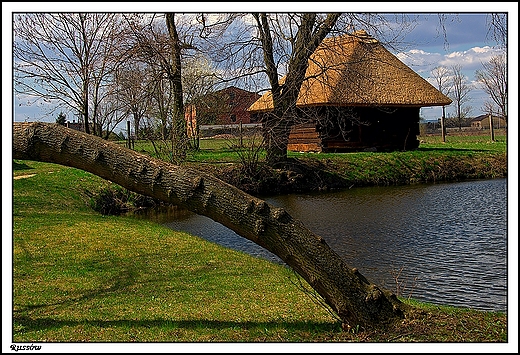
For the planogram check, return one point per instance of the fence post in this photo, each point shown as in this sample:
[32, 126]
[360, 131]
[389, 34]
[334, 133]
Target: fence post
[240, 132]
[128, 134]
[491, 128]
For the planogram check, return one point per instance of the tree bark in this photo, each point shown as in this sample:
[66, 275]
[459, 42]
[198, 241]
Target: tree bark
[175, 78]
[350, 295]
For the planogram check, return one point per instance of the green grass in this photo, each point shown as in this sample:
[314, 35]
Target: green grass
[460, 158]
[430, 144]
[79, 276]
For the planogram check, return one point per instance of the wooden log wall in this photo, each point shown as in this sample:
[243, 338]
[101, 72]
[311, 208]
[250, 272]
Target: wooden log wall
[304, 138]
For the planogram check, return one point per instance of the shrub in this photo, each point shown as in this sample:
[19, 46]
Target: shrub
[110, 200]
[115, 200]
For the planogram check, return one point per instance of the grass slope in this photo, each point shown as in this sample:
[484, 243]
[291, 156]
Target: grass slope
[82, 277]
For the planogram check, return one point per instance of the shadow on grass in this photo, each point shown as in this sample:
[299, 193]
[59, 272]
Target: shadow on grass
[460, 150]
[20, 166]
[41, 324]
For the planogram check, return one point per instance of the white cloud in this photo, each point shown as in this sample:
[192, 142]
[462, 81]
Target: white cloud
[419, 60]
[470, 60]
[485, 49]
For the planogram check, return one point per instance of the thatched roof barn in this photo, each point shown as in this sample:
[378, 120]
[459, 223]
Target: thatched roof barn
[357, 95]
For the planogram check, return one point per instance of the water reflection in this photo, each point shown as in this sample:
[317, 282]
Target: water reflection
[442, 243]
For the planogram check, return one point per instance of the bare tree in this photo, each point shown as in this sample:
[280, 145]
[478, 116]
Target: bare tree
[179, 136]
[441, 76]
[272, 52]
[460, 90]
[310, 30]
[67, 58]
[252, 47]
[134, 89]
[161, 46]
[198, 82]
[497, 23]
[494, 82]
[109, 112]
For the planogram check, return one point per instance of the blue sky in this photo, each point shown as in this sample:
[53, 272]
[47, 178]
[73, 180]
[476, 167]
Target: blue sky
[468, 41]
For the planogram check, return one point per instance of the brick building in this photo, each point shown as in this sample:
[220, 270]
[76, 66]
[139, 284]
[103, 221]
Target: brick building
[226, 106]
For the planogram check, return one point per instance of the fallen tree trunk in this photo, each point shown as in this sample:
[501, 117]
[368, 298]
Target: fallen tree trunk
[350, 295]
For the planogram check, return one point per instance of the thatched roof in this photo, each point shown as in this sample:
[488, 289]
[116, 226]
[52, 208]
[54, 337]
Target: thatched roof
[356, 70]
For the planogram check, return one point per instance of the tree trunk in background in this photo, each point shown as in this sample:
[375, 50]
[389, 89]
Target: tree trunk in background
[179, 135]
[443, 128]
[307, 38]
[354, 299]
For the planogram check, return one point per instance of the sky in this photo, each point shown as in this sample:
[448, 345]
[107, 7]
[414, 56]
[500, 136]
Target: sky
[467, 43]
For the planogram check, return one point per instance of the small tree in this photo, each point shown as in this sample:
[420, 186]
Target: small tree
[494, 82]
[441, 76]
[460, 93]
[61, 119]
[159, 44]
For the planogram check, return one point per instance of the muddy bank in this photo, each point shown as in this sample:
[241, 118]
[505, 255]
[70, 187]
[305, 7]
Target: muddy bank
[307, 175]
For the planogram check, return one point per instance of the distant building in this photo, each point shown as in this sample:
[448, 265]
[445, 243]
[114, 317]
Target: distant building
[226, 106]
[80, 126]
[75, 125]
[482, 122]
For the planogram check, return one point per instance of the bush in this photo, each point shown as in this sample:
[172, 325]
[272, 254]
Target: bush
[115, 200]
[110, 200]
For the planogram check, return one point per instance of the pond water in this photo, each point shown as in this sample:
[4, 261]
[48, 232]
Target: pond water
[439, 243]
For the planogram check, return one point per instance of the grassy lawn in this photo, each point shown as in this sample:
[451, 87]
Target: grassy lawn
[463, 146]
[459, 158]
[79, 276]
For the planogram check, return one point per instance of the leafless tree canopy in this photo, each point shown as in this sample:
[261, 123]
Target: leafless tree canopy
[497, 23]
[460, 93]
[493, 78]
[68, 59]
[89, 62]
